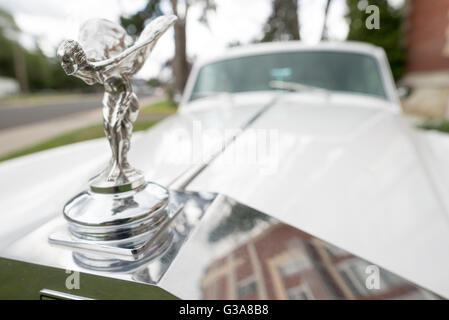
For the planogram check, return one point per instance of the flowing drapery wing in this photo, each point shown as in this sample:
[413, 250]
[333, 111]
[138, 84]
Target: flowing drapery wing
[132, 59]
[102, 39]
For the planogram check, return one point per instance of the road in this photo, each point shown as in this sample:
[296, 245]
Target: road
[19, 115]
[23, 125]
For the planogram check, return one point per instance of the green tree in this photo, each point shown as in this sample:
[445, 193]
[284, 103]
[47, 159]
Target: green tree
[32, 69]
[388, 35]
[14, 53]
[135, 24]
[6, 56]
[283, 23]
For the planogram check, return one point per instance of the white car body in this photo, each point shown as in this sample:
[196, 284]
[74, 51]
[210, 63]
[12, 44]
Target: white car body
[346, 168]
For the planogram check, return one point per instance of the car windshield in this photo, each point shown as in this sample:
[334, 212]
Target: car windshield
[330, 70]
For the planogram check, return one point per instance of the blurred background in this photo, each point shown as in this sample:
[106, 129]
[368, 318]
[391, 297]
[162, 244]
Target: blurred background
[41, 107]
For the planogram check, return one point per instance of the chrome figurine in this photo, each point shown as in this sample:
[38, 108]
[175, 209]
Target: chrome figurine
[121, 213]
[103, 55]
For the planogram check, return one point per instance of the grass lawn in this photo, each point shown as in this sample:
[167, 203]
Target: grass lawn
[83, 134]
[436, 124]
[95, 131]
[164, 106]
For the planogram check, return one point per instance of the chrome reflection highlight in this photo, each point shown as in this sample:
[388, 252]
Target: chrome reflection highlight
[100, 217]
[145, 257]
[246, 254]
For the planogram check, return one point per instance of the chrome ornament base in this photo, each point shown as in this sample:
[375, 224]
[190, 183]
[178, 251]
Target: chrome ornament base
[131, 224]
[131, 180]
[125, 250]
[155, 248]
[115, 216]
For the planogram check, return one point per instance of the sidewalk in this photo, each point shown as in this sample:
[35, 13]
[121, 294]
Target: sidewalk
[24, 136]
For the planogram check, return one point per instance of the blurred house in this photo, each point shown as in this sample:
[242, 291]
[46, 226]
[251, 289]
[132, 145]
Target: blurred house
[141, 87]
[8, 86]
[427, 57]
[285, 263]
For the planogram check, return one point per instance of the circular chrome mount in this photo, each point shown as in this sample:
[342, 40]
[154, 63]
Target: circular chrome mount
[130, 180]
[117, 216]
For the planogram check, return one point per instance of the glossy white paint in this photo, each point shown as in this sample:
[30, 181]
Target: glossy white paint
[346, 168]
[349, 173]
[34, 188]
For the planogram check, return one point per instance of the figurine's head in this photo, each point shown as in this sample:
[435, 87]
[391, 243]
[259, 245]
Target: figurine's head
[72, 56]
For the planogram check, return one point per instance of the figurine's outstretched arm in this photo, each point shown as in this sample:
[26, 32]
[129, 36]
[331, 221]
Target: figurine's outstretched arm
[150, 35]
[87, 76]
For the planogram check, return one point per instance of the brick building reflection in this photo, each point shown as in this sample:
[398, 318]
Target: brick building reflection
[285, 263]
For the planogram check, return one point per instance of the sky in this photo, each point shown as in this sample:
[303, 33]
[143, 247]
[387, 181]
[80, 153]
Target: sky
[50, 21]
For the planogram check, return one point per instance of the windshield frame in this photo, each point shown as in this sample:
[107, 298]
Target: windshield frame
[373, 52]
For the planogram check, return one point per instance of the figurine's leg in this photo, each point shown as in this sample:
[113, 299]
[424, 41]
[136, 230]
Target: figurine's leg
[119, 124]
[127, 127]
[112, 121]
[107, 115]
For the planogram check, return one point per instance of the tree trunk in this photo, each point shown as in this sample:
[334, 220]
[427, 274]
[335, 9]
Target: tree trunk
[20, 68]
[181, 66]
[324, 35]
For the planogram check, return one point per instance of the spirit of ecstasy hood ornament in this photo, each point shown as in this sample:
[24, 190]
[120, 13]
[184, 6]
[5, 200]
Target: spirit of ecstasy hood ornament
[101, 56]
[121, 211]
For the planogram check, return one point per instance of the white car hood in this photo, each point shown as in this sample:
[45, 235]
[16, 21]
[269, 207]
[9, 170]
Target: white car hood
[35, 188]
[347, 171]
[344, 168]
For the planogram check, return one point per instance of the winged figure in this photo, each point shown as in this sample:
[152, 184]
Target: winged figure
[106, 54]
